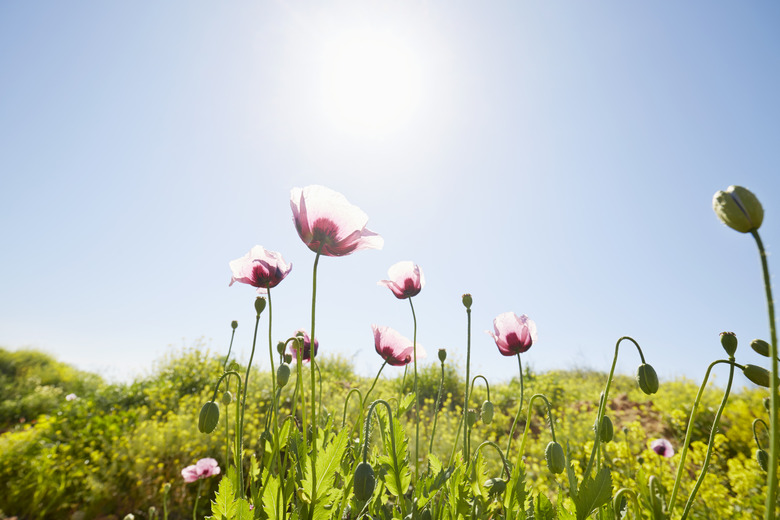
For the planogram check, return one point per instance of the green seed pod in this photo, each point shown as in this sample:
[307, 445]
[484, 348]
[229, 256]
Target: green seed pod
[442, 355]
[364, 481]
[729, 342]
[259, 305]
[738, 208]
[471, 417]
[282, 375]
[556, 460]
[467, 300]
[606, 432]
[227, 398]
[760, 346]
[234, 324]
[288, 358]
[487, 412]
[757, 375]
[495, 486]
[280, 347]
[647, 379]
[762, 457]
[209, 417]
[767, 403]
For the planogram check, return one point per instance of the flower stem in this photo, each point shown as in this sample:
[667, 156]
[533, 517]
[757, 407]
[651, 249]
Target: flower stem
[528, 420]
[240, 448]
[416, 401]
[313, 389]
[197, 498]
[271, 348]
[436, 408]
[230, 348]
[466, 400]
[519, 408]
[774, 397]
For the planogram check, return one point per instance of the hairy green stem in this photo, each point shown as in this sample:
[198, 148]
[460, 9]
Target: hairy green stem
[393, 454]
[501, 453]
[466, 400]
[519, 408]
[313, 389]
[416, 401]
[528, 420]
[619, 496]
[436, 408]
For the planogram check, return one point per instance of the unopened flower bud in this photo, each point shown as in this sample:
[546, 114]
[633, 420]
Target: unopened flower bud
[234, 324]
[442, 355]
[166, 488]
[471, 417]
[556, 460]
[738, 208]
[767, 403]
[364, 481]
[762, 457]
[757, 375]
[467, 300]
[209, 417]
[227, 398]
[259, 305]
[288, 358]
[729, 342]
[760, 346]
[487, 412]
[606, 431]
[280, 347]
[495, 486]
[647, 379]
[282, 375]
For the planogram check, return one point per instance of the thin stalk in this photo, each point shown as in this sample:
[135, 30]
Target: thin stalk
[416, 402]
[230, 348]
[774, 397]
[519, 408]
[466, 400]
[501, 453]
[313, 389]
[243, 408]
[436, 408]
[616, 502]
[471, 393]
[393, 454]
[197, 498]
[271, 344]
[528, 420]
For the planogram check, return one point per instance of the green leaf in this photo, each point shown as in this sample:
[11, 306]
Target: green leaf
[269, 498]
[434, 463]
[543, 508]
[593, 493]
[243, 511]
[515, 494]
[224, 504]
[570, 474]
[328, 462]
[405, 405]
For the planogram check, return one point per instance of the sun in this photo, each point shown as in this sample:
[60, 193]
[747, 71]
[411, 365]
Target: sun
[371, 82]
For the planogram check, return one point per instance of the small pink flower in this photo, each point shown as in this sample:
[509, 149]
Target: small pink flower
[328, 223]
[513, 334]
[204, 468]
[71, 397]
[260, 268]
[406, 280]
[394, 348]
[663, 448]
[306, 353]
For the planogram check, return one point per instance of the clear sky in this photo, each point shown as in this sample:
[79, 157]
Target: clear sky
[556, 159]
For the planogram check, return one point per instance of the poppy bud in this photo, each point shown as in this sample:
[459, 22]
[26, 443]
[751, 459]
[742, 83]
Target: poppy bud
[767, 403]
[762, 457]
[234, 324]
[442, 355]
[364, 481]
[166, 488]
[757, 375]
[227, 398]
[556, 460]
[209, 417]
[729, 342]
[280, 347]
[282, 375]
[288, 358]
[467, 300]
[487, 412]
[471, 417]
[606, 432]
[760, 346]
[738, 208]
[259, 305]
[647, 379]
[495, 486]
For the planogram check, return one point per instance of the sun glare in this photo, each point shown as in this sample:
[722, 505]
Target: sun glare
[371, 82]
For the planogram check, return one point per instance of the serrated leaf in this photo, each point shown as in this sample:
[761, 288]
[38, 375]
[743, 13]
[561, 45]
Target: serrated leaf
[269, 499]
[243, 511]
[593, 493]
[328, 462]
[406, 404]
[515, 494]
[224, 503]
[543, 508]
[434, 464]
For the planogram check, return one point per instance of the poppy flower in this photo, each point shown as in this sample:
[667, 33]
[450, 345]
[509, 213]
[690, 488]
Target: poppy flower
[328, 223]
[260, 268]
[513, 334]
[306, 353]
[394, 348]
[204, 468]
[663, 448]
[406, 280]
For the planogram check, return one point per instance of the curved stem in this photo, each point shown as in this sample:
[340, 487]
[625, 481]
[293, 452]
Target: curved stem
[416, 401]
[528, 420]
[711, 444]
[346, 402]
[616, 502]
[394, 454]
[494, 445]
[774, 397]
[755, 433]
[688, 432]
[519, 409]
[466, 400]
[436, 408]
[487, 385]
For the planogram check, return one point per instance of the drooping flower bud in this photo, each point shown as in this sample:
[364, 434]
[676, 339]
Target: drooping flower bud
[762, 457]
[288, 358]
[280, 347]
[757, 375]
[647, 379]
[259, 305]
[442, 355]
[738, 208]
[234, 324]
[606, 431]
[729, 342]
[495, 486]
[487, 412]
[760, 346]
[467, 300]
[227, 398]
[556, 460]
[209, 417]
[364, 481]
[471, 417]
[282, 375]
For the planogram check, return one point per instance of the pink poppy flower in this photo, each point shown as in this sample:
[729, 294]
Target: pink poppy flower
[204, 468]
[406, 280]
[394, 348]
[306, 353]
[513, 334]
[327, 222]
[260, 268]
[663, 448]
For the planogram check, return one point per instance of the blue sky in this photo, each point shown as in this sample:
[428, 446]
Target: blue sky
[556, 159]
